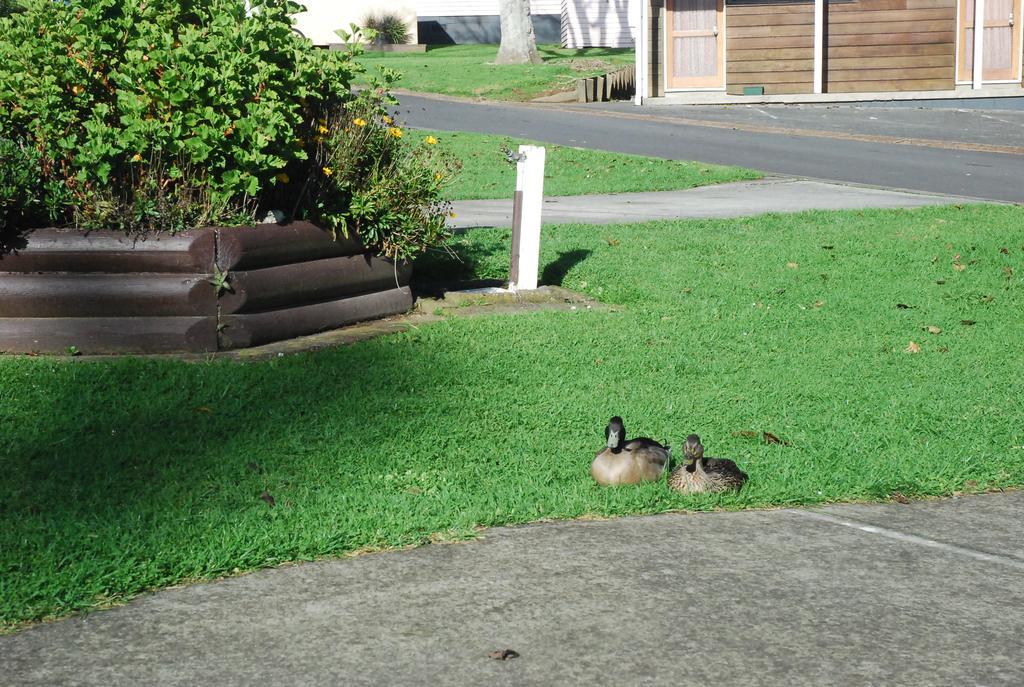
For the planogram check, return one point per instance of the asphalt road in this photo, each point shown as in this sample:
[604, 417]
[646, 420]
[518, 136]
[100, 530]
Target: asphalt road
[975, 153]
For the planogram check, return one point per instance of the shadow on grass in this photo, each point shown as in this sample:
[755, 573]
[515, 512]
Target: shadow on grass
[485, 258]
[554, 272]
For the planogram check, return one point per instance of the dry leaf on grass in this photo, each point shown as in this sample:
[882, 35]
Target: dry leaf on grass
[899, 497]
[792, 265]
[770, 438]
[265, 496]
[819, 303]
[912, 348]
[959, 267]
[932, 329]
[904, 306]
[503, 654]
[968, 323]
[1004, 251]
[745, 433]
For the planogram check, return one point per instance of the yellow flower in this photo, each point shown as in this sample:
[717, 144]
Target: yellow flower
[282, 177]
[395, 131]
[437, 176]
[137, 157]
[388, 120]
[430, 141]
[328, 171]
[323, 129]
[452, 215]
[359, 121]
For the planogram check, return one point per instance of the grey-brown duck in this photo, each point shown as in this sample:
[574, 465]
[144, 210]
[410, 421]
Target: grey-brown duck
[699, 474]
[629, 462]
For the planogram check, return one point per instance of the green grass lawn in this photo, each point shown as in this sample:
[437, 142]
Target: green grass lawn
[572, 171]
[469, 70]
[126, 475]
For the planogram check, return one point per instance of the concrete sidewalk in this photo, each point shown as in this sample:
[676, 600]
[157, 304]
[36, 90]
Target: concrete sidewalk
[928, 593]
[739, 199]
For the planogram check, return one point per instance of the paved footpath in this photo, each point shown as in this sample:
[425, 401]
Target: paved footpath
[775, 194]
[927, 593]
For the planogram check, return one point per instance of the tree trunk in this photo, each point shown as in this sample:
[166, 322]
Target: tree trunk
[518, 45]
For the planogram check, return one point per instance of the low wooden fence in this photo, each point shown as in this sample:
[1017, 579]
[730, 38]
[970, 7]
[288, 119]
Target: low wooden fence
[617, 85]
[105, 293]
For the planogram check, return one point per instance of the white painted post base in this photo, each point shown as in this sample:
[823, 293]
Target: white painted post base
[526, 211]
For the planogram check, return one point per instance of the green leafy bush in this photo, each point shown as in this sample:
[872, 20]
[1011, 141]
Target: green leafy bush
[139, 105]
[165, 115]
[20, 193]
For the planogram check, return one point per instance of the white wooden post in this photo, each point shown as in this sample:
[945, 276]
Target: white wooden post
[639, 17]
[819, 44]
[979, 41]
[526, 211]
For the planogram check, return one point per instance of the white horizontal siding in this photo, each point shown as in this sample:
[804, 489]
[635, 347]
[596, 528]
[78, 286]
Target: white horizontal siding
[473, 8]
[596, 23]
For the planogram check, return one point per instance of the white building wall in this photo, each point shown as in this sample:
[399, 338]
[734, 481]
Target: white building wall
[596, 23]
[323, 17]
[475, 8]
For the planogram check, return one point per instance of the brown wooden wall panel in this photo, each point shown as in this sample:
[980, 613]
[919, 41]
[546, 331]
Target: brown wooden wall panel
[773, 89]
[869, 16]
[265, 245]
[108, 334]
[872, 5]
[869, 63]
[746, 10]
[65, 294]
[892, 85]
[756, 67]
[839, 75]
[767, 54]
[60, 250]
[889, 27]
[770, 46]
[771, 42]
[890, 45]
[771, 19]
[890, 50]
[943, 37]
[82, 291]
[302, 283]
[242, 331]
[758, 78]
[740, 32]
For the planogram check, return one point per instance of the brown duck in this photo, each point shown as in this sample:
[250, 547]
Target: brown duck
[629, 462]
[699, 474]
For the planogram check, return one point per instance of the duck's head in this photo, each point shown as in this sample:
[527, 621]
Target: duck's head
[615, 433]
[693, 450]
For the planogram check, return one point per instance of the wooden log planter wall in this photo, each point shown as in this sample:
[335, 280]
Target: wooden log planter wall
[105, 293]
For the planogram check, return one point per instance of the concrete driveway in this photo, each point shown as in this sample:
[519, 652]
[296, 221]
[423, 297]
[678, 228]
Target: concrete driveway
[926, 593]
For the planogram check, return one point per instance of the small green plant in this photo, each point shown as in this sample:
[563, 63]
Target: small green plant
[390, 28]
[73, 351]
[220, 280]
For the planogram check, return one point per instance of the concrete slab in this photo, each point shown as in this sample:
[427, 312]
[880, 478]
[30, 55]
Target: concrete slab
[752, 598]
[706, 202]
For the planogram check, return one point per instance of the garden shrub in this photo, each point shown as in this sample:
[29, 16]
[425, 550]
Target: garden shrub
[388, 27]
[371, 177]
[20, 193]
[165, 115]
